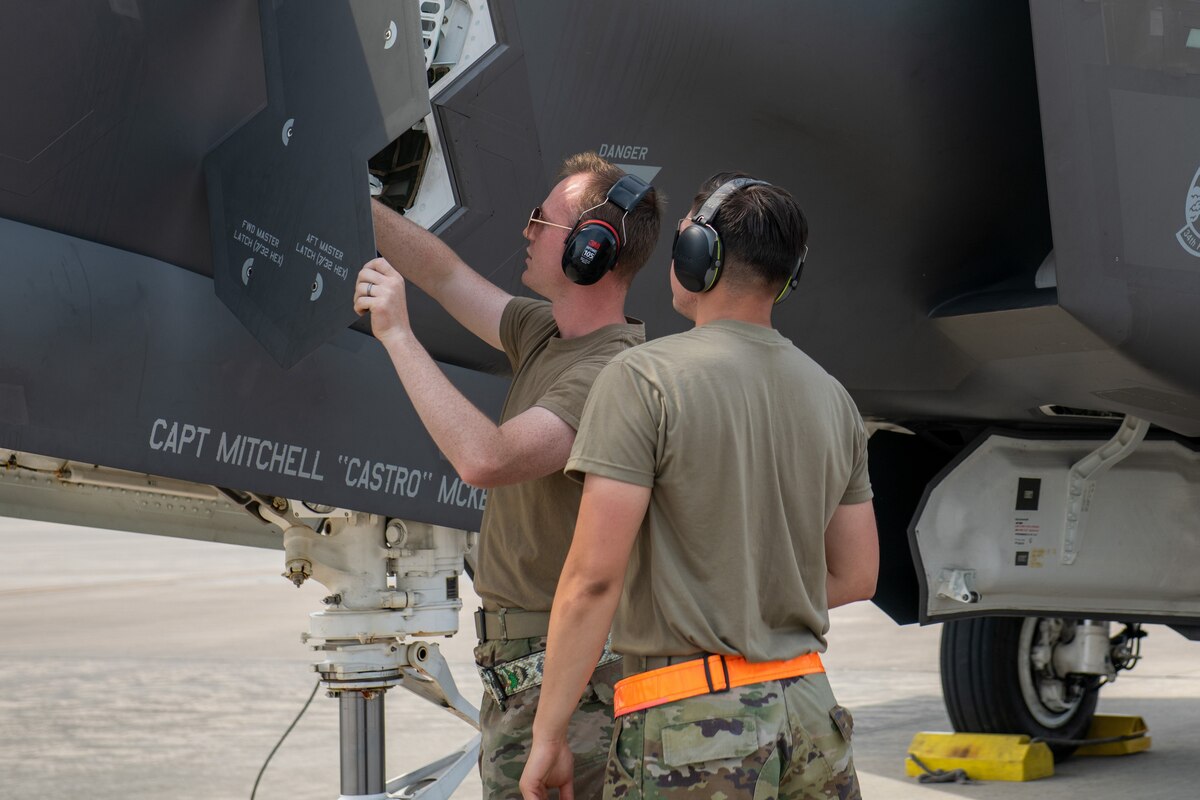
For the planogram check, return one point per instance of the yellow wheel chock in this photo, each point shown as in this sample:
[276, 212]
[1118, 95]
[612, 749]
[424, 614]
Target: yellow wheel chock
[982, 756]
[1129, 732]
[1012, 757]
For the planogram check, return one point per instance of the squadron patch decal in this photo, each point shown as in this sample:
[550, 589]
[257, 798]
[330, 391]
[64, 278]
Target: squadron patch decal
[1189, 235]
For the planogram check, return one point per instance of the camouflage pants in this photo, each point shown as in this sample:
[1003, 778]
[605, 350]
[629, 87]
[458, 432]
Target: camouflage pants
[785, 740]
[507, 733]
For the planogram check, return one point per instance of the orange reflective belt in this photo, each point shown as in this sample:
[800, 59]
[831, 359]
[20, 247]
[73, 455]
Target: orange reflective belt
[704, 676]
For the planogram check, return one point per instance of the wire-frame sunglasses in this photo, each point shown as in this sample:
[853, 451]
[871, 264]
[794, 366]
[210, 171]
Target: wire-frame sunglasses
[536, 216]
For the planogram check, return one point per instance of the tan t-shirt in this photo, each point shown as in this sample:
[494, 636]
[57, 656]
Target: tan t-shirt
[527, 527]
[749, 447]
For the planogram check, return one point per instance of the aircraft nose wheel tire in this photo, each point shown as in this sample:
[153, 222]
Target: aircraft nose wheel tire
[998, 676]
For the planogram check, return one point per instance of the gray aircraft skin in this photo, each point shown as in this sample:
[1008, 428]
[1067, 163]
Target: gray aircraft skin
[1003, 203]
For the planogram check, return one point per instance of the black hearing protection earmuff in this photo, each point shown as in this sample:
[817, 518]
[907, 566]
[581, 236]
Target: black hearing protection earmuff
[593, 246]
[794, 279]
[698, 253]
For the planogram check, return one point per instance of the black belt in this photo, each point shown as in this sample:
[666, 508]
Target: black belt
[636, 664]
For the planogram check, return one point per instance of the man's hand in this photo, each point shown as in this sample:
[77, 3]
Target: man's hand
[551, 765]
[380, 289]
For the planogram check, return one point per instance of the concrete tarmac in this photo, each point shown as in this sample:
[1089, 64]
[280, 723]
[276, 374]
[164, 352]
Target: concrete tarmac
[137, 666]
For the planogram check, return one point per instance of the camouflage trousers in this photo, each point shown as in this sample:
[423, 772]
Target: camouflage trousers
[508, 732]
[784, 740]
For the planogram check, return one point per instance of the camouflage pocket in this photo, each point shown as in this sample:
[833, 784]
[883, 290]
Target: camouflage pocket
[626, 756]
[843, 720]
[833, 747]
[717, 739]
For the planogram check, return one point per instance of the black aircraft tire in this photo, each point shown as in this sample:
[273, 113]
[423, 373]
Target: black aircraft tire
[981, 664]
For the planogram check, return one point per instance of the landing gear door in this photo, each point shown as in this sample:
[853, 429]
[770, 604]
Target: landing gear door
[1096, 528]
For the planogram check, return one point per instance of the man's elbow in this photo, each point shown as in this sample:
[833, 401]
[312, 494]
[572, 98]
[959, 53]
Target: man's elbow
[587, 589]
[865, 579]
[853, 587]
[482, 474]
[487, 470]
[864, 587]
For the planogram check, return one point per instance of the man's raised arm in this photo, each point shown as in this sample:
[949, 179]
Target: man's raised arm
[422, 258]
[534, 443]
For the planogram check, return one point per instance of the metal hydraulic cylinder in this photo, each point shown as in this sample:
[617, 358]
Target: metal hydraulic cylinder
[362, 743]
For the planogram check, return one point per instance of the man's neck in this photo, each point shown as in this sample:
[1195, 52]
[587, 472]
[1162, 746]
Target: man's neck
[754, 309]
[579, 313]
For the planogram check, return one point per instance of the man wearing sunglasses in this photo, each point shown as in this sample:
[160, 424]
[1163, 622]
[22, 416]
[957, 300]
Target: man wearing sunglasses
[556, 347]
[726, 507]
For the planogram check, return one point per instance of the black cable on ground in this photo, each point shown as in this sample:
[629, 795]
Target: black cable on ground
[271, 755]
[939, 775]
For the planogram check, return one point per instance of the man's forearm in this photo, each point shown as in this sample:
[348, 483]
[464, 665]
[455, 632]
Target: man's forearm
[420, 256]
[610, 515]
[579, 625]
[461, 431]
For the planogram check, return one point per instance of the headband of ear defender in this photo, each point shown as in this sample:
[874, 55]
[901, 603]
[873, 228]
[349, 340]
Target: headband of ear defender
[593, 246]
[697, 252]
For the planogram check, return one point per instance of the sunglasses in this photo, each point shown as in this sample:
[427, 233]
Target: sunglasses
[536, 216]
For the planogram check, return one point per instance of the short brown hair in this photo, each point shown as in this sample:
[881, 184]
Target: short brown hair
[642, 223]
[761, 226]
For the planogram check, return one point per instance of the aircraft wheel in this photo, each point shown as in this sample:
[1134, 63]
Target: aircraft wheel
[998, 676]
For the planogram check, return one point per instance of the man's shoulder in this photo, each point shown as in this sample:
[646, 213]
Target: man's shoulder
[627, 334]
[598, 347]
[660, 360]
[645, 352]
[524, 324]
[665, 350]
[522, 310]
